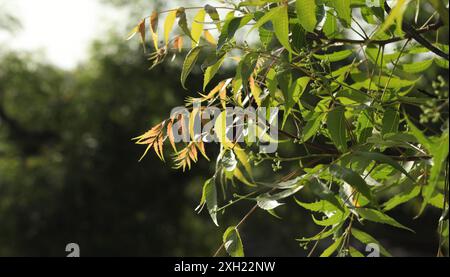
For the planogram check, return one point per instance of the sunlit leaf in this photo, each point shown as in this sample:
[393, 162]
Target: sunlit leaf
[233, 243]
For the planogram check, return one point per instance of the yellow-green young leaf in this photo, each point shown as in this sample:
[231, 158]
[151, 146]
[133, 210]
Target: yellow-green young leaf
[243, 159]
[366, 239]
[396, 15]
[416, 67]
[306, 12]
[220, 129]
[189, 64]
[332, 248]
[344, 11]
[354, 180]
[233, 243]
[336, 124]
[335, 57]
[441, 63]
[211, 72]
[197, 27]
[380, 217]
[256, 91]
[209, 38]
[237, 173]
[168, 25]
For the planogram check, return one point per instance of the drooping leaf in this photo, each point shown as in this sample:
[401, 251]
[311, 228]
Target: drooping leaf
[313, 125]
[233, 243]
[366, 239]
[210, 198]
[189, 63]
[306, 12]
[381, 158]
[390, 122]
[336, 124]
[211, 71]
[197, 27]
[335, 56]
[380, 217]
[332, 248]
[354, 180]
[344, 11]
[214, 15]
[168, 25]
[154, 18]
[416, 67]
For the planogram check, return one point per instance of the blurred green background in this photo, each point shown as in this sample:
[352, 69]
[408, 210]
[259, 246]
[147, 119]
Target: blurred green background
[69, 171]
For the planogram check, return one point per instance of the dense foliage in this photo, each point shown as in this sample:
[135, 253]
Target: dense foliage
[361, 131]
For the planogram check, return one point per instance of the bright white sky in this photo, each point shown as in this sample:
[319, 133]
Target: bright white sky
[61, 29]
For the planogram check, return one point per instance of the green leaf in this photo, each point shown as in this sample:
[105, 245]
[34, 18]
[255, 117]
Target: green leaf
[355, 253]
[441, 63]
[390, 122]
[322, 235]
[381, 158]
[367, 239]
[280, 20]
[281, 27]
[295, 92]
[336, 218]
[337, 127]
[335, 56]
[306, 12]
[439, 150]
[313, 124]
[332, 248]
[380, 217]
[182, 22]
[233, 243]
[269, 201]
[230, 27]
[211, 71]
[401, 198]
[197, 27]
[189, 64]
[421, 138]
[364, 126]
[214, 15]
[416, 67]
[354, 180]
[210, 198]
[344, 11]
[330, 28]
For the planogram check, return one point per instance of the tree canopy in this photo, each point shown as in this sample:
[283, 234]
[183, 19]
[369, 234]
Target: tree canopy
[362, 91]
